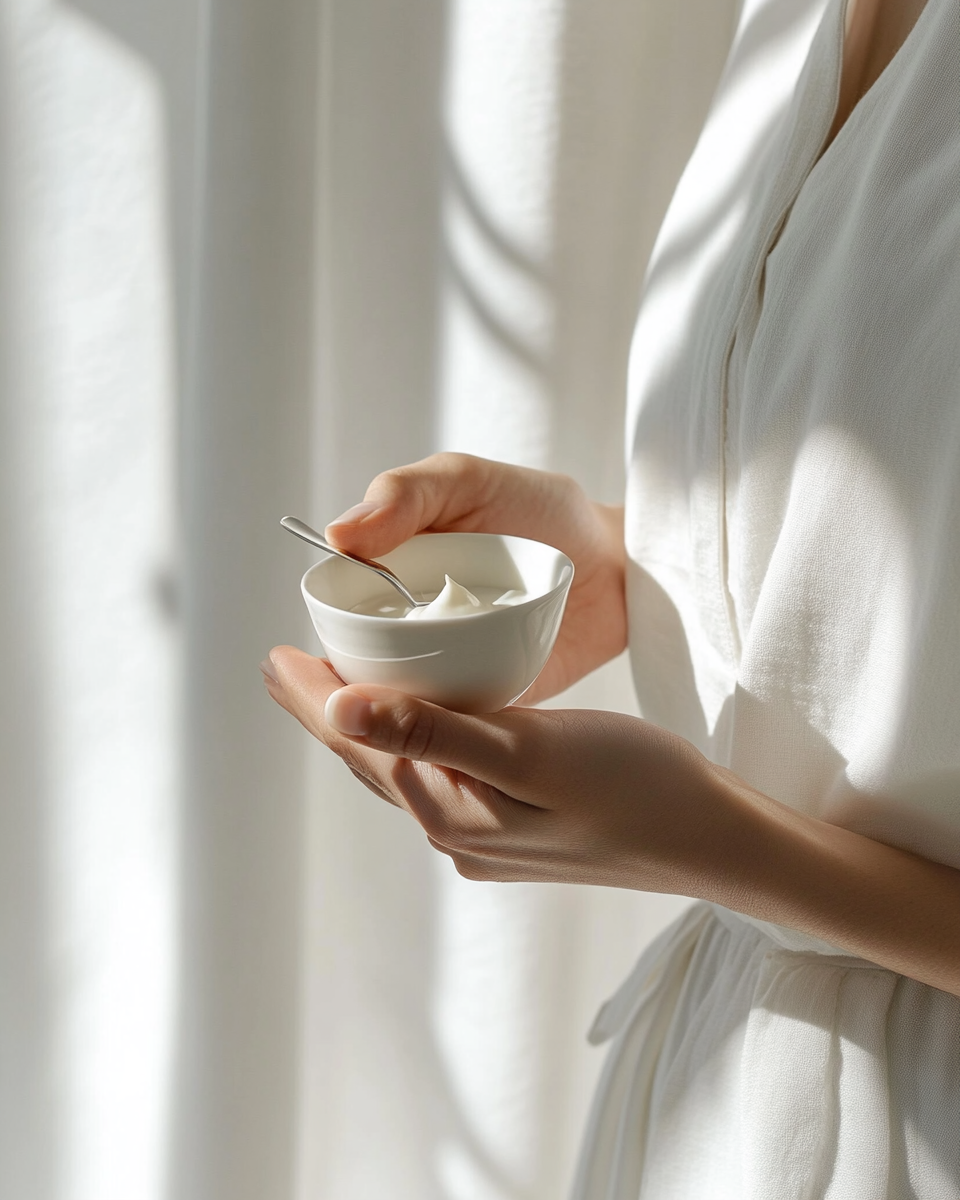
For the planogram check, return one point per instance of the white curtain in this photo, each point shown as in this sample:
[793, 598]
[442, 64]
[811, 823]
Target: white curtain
[251, 253]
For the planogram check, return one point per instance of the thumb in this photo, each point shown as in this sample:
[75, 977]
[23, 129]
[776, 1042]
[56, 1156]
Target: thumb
[495, 748]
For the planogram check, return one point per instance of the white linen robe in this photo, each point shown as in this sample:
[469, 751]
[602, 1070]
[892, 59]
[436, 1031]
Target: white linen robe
[793, 527]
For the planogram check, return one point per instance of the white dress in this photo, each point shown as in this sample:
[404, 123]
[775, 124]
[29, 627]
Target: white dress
[793, 525]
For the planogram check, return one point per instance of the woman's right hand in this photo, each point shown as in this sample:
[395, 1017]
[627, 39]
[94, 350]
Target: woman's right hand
[449, 493]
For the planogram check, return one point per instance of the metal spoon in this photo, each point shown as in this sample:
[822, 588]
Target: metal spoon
[302, 530]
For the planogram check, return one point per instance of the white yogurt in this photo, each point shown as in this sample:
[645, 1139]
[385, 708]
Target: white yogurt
[453, 601]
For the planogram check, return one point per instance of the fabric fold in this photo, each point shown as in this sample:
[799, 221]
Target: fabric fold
[738, 1069]
[636, 1017]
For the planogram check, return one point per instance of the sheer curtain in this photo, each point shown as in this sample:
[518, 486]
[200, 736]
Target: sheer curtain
[252, 253]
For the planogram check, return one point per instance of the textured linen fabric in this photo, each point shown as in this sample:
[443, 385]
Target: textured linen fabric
[793, 526]
[743, 1070]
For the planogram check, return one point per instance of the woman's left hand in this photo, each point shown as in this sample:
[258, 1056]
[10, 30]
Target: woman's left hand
[550, 795]
[575, 796]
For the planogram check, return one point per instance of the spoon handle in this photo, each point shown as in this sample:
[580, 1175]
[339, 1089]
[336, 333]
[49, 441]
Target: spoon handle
[302, 530]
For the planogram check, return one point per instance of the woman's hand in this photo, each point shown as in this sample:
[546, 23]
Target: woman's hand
[595, 797]
[459, 493]
[524, 794]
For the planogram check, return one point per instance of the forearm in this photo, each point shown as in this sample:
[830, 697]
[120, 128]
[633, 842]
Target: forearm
[880, 903]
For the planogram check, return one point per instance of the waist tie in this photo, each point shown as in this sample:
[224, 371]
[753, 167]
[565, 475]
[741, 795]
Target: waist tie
[812, 1009]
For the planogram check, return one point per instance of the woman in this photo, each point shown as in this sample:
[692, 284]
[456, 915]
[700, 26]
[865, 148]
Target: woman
[788, 582]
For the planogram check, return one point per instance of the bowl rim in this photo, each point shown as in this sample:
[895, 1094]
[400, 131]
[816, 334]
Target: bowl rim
[563, 585]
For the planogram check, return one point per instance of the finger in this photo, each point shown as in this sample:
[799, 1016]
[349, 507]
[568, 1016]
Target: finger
[460, 493]
[453, 803]
[301, 684]
[505, 749]
[373, 786]
[393, 723]
[496, 866]
[459, 811]
[436, 493]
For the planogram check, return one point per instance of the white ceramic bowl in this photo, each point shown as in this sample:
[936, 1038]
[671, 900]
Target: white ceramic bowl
[477, 663]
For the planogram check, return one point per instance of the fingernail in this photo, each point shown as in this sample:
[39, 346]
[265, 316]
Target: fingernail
[348, 713]
[267, 668]
[353, 516]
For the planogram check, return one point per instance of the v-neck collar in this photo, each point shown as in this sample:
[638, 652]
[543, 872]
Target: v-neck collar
[879, 85]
